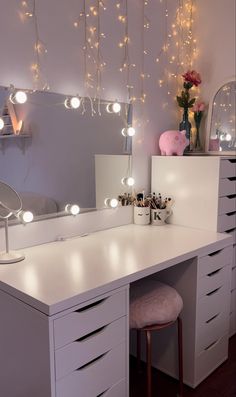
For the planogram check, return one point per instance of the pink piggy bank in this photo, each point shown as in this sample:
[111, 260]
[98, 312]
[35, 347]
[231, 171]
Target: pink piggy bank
[173, 143]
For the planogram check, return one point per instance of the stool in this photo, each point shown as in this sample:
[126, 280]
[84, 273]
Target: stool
[154, 306]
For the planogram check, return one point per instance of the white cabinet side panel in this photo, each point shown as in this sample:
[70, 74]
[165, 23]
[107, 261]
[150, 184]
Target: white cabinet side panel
[193, 182]
[24, 350]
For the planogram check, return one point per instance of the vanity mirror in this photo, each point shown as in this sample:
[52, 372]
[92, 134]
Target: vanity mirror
[54, 163]
[221, 137]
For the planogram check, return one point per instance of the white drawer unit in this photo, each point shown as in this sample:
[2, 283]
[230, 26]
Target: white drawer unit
[204, 191]
[205, 288]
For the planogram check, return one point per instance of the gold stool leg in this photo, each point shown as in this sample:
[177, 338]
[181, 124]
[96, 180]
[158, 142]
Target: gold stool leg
[149, 363]
[180, 352]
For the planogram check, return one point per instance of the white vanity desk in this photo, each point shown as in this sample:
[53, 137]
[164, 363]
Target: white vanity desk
[64, 309]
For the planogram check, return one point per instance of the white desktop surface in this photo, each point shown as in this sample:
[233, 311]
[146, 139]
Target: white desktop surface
[58, 275]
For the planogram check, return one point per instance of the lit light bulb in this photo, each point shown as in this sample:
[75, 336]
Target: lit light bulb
[113, 107]
[228, 137]
[72, 209]
[129, 181]
[128, 131]
[26, 216]
[19, 97]
[111, 202]
[72, 103]
[1, 123]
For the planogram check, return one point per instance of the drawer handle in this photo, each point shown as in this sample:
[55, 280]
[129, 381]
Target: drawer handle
[231, 213]
[215, 253]
[231, 196]
[214, 273]
[233, 178]
[214, 291]
[212, 318]
[233, 161]
[211, 345]
[103, 393]
[83, 309]
[97, 331]
[234, 267]
[91, 362]
[230, 230]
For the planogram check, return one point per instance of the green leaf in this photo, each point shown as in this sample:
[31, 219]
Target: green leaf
[191, 103]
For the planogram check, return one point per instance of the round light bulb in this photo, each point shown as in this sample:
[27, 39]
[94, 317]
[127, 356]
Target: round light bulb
[19, 97]
[1, 123]
[222, 137]
[73, 209]
[72, 103]
[111, 202]
[113, 107]
[228, 137]
[129, 131]
[116, 107]
[128, 181]
[26, 216]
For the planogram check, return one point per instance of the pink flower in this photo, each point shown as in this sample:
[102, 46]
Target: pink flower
[191, 76]
[198, 107]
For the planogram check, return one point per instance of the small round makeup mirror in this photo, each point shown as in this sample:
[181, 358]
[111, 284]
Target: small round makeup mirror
[10, 204]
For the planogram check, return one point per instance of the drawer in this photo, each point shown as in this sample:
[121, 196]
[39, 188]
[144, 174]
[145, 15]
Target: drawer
[226, 204]
[232, 323]
[96, 377]
[211, 330]
[214, 261]
[214, 280]
[227, 187]
[226, 221]
[118, 390]
[233, 300]
[88, 318]
[227, 168]
[233, 278]
[210, 305]
[85, 349]
[212, 356]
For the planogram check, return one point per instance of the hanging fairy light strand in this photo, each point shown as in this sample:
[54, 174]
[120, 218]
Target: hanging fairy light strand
[143, 75]
[30, 12]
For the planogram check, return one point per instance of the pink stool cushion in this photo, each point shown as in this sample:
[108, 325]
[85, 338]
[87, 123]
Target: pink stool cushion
[152, 302]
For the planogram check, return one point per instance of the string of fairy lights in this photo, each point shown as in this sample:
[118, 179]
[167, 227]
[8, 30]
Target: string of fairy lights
[176, 55]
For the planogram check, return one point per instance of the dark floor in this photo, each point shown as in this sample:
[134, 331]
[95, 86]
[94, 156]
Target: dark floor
[221, 383]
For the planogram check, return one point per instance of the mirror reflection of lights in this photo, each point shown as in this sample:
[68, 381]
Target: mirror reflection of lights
[128, 131]
[111, 202]
[72, 103]
[1, 123]
[72, 209]
[228, 137]
[114, 254]
[18, 97]
[129, 181]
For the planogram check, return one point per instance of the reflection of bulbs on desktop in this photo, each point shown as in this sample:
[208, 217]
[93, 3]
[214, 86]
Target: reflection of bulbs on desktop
[128, 131]
[111, 202]
[18, 97]
[129, 181]
[72, 209]
[25, 216]
[72, 103]
[1, 123]
[113, 107]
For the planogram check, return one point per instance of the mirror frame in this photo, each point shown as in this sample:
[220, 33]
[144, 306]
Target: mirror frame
[209, 117]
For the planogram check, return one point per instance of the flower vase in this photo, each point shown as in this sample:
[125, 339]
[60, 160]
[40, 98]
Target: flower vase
[186, 125]
[197, 143]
